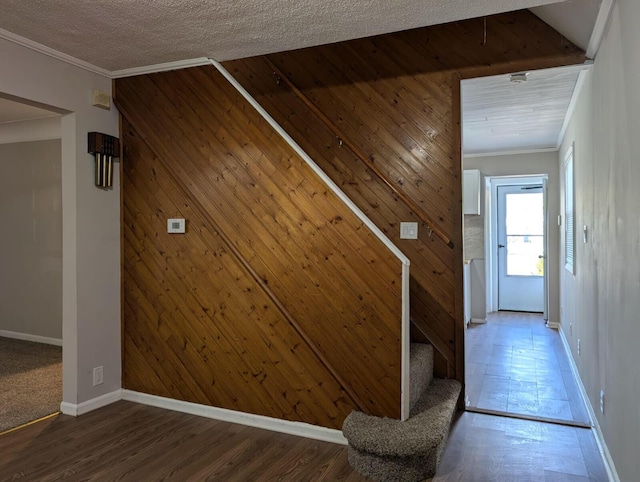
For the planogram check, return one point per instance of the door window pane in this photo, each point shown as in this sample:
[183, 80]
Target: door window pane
[525, 233]
[525, 213]
[523, 255]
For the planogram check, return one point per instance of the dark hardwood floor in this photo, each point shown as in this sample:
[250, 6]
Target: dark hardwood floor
[516, 365]
[130, 442]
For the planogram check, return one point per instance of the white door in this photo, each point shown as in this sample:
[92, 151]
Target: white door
[521, 248]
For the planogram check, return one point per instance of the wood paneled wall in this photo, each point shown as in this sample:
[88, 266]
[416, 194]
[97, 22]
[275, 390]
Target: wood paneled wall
[278, 301]
[381, 116]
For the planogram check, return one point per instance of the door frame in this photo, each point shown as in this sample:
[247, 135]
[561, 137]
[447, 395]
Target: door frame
[491, 233]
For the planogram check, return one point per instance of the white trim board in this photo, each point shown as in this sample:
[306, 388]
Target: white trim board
[314, 167]
[597, 431]
[75, 410]
[582, 76]
[346, 200]
[509, 153]
[27, 337]
[258, 421]
[478, 321]
[56, 54]
[115, 74]
[152, 69]
[299, 429]
[597, 34]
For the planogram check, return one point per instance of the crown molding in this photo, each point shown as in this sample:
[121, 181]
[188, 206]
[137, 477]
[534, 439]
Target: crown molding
[148, 69]
[152, 69]
[43, 49]
[582, 76]
[599, 28]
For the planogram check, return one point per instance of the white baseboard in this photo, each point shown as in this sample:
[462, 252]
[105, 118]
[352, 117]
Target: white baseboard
[90, 405]
[602, 445]
[554, 325]
[478, 321]
[259, 421]
[27, 337]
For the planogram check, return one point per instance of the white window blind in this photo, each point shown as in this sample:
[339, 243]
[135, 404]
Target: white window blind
[569, 216]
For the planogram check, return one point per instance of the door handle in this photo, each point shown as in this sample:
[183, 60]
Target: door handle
[541, 256]
[501, 246]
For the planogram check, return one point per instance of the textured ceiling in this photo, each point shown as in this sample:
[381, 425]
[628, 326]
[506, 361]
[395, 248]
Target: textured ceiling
[499, 115]
[121, 34]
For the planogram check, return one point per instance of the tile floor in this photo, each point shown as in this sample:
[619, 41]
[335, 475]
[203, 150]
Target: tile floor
[516, 365]
[487, 448]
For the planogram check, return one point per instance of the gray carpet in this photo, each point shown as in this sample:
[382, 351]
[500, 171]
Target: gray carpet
[30, 381]
[389, 450]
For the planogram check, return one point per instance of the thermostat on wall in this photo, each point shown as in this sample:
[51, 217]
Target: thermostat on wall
[175, 226]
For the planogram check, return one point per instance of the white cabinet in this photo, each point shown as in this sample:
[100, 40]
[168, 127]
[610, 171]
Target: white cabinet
[471, 191]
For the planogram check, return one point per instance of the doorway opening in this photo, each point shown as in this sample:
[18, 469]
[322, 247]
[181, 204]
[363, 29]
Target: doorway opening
[516, 244]
[31, 257]
[515, 362]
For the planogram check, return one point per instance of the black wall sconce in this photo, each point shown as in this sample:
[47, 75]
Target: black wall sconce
[105, 148]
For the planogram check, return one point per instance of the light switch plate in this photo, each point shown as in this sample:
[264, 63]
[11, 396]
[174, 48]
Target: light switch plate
[175, 226]
[408, 230]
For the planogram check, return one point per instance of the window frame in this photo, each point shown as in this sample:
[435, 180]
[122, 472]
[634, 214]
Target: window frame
[569, 211]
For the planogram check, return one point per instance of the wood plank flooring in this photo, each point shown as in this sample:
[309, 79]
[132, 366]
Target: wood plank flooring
[130, 442]
[515, 364]
[489, 448]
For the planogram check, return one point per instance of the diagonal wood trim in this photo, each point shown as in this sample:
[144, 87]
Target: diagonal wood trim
[361, 155]
[197, 206]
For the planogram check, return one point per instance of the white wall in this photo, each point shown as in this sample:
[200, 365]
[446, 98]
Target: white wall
[519, 165]
[31, 238]
[91, 218]
[602, 300]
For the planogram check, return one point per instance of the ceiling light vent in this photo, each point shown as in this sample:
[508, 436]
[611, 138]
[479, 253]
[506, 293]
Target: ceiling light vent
[518, 78]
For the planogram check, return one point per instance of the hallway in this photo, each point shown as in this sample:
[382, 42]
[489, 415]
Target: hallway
[516, 365]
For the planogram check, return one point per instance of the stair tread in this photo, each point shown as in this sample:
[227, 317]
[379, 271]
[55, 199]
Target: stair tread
[422, 433]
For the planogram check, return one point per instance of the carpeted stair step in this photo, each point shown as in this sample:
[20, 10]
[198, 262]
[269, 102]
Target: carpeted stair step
[420, 371]
[389, 450]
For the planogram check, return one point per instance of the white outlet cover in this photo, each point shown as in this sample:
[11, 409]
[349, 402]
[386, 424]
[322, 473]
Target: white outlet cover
[98, 376]
[408, 230]
[176, 226]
